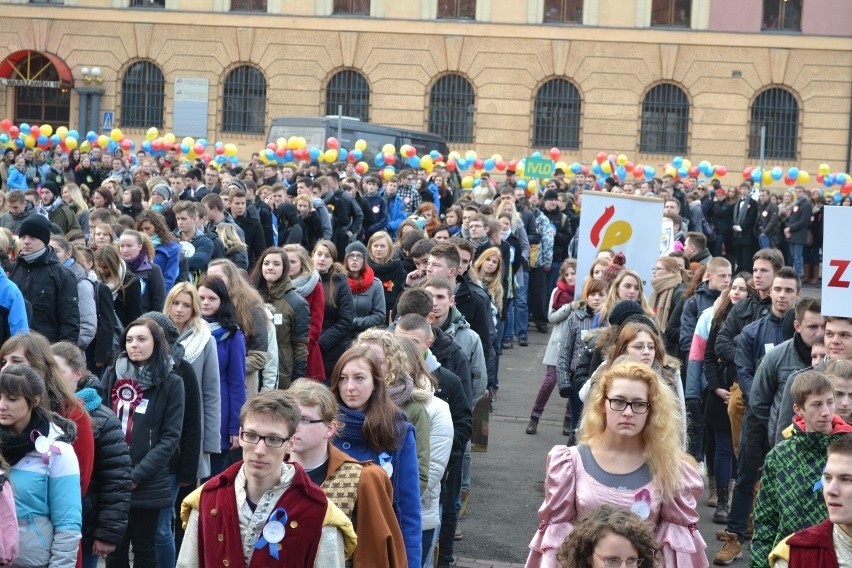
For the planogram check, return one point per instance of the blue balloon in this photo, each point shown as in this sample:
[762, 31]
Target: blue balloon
[342, 154]
[379, 160]
[522, 183]
[462, 164]
[434, 154]
[649, 172]
[576, 168]
[838, 198]
[220, 159]
[776, 173]
[25, 129]
[756, 174]
[92, 136]
[357, 154]
[596, 169]
[288, 155]
[55, 139]
[202, 141]
[73, 134]
[683, 172]
[234, 160]
[477, 182]
[678, 163]
[4, 138]
[489, 164]
[41, 140]
[184, 148]
[413, 162]
[314, 153]
[621, 172]
[146, 146]
[793, 172]
[19, 142]
[828, 180]
[536, 155]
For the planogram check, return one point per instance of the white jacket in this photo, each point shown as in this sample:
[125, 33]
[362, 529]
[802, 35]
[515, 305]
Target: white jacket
[440, 446]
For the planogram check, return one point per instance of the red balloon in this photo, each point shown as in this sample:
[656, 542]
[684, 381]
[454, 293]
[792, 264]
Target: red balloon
[555, 153]
[359, 168]
[220, 150]
[693, 171]
[720, 171]
[789, 181]
[500, 165]
[199, 148]
[747, 172]
[271, 146]
[206, 158]
[847, 188]
[390, 159]
[169, 145]
[5, 124]
[820, 179]
[639, 171]
[156, 145]
[438, 158]
[601, 157]
[478, 164]
[350, 157]
[629, 167]
[14, 131]
[410, 152]
[332, 143]
[34, 131]
[280, 152]
[451, 165]
[126, 144]
[585, 169]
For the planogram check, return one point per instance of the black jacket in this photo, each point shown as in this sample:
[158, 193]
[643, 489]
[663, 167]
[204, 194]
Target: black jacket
[743, 313]
[127, 302]
[562, 223]
[392, 275]
[450, 356]
[184, 461]
[155, 438]
[52, 291]
[475, 305]
[337, 321]
[254, 236]
[102, 347]
[264, 213]
[154, 288]
[450, 391]
[106, 505]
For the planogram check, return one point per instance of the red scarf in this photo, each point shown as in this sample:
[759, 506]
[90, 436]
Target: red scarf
[362, 284]
[564, 294]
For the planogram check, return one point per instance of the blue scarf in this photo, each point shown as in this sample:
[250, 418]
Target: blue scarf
[218, 332]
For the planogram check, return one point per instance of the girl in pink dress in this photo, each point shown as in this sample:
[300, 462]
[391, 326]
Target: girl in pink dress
[629, 455]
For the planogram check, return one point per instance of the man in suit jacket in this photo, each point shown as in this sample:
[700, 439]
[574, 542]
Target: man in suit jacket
[745, 217]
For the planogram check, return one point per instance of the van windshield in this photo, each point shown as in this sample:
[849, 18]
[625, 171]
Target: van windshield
[315, 135]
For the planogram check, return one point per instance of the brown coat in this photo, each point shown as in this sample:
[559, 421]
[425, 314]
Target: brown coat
[380, 540]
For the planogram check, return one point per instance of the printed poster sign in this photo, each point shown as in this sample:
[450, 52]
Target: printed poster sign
[836, 262]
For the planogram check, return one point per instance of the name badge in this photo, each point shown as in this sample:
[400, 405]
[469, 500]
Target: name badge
[277, 319]
[583, 334]
[143, 406]
[767, 347]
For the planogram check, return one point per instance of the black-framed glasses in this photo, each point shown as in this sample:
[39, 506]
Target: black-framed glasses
[308, 421]
[615, 562]
[637, 406]
[270, 441]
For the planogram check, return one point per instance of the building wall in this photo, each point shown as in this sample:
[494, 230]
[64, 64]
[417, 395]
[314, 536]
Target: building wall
[402, 56]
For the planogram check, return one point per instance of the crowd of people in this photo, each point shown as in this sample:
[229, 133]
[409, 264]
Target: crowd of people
[260, 363]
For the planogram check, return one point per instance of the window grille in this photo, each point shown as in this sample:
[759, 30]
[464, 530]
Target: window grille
[451, 108]
[782, 15]
[143, 94]
[147, 3]
[457, 9]
[777, 110]
[350, 89]
[40, 105]
[671, 13]
[563, 11]
[248, 5]
[352, 7]
[665, 120]
[244, 101]
[557, 115]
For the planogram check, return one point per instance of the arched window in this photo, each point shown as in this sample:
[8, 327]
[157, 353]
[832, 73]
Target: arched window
[557, 115]
[451, 108]
[143, 94]
[348, 88]
[244, 106]
[777, 110]
[665, 120]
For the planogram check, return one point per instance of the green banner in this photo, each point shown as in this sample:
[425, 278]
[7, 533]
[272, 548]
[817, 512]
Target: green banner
[538, 167]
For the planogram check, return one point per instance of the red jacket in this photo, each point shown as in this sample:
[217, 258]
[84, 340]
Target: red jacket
[316, 303]
[84, 445]
[813, 547]
[221, 544]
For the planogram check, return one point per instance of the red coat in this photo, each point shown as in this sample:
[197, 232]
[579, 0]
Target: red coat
[220, 542]
[316, 303]
[84, 445]
[813, 547]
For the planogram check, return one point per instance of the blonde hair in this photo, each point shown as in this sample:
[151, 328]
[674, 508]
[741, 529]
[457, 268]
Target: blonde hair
[76, 197]
[395, 359]
[661, 436]
[315, 394]
[493, 283]
[612, 296]
[378, 236]
[305, 198]
[196, 323]
[304, 258]
[230, 240]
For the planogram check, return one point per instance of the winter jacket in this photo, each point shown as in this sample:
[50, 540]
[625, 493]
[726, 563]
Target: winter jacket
[785, 409]
[337, 321]
[546, 234]
[769, 223]
[799, 221]
[392, 277]
[9, 542]
[324, 218]
[203, 356]
[559, 318]
[127, 302]
[203, 251]
[719, 374]
[742, 314]
[17, 179]
[292, 320]
[153, 288]
[459, 330]
[155, 438]
[184, 462]
[396, 214]
[52, 291]
[450, 391]
[695, 379]
[315, 369]
[254, 236]
[416, 414]
[814, 546]
[406, 490]
[48, 503]
[87, 305]
[475, 305]
[369, 308]
[787, 502]
[107, 503]
[577, 325]
[756, 340]
[562, 233]
[452, 358]
[14, 306]
[231, 350]
[13, 222]
[440, 446]
[64, 218]
[379, 209]
[692, 308]
[167, 257]
[100, 351]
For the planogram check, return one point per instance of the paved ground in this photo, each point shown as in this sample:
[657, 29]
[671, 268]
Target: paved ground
[507, 486]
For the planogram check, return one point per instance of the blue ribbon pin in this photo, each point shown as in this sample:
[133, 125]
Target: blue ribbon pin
[275, 526]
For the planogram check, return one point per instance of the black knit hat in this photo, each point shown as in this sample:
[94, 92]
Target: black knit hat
[623, 310]
[36, 226]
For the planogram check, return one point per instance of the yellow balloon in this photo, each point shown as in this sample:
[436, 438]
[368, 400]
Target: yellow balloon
[560, 165]
[532, 185]
[498, 157]
[426, 162]
[388, 149]
[330, 155]
[302, 142]
[62, 132]
[470, 155]
[686, 164]
[169, 137]
[620, 160]
[293, 142]
[281, 142]
[85, 147]
[453, 155]
[467, 182]
[46, 129]
[188, 141]
[29, 141]
[361, 144]
[767, 177]
[606, 167]
[70, 143]
[669, 171]
[388, 173]
[824, 169]
[519, 170]
[152, 134]
[116, 135]
[103, 141]
[804, 177]
[231, 150]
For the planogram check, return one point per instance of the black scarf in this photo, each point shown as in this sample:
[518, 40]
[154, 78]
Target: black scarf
[802, 350]
[16, 446]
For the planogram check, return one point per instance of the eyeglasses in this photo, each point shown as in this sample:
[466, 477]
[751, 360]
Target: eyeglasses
[615, 562]
[356, 255]
[637, 407]
[475, 225]
[308, 421]
[270, 441]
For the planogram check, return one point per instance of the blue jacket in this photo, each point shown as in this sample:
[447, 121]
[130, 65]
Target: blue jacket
[12, 300]
[755, 340]
[380, 214]
[232, 383]
[692, 309]
[405, 481]
[167, 257]
[436, 196]
[396, 214]
[203, 251]
[17, 179]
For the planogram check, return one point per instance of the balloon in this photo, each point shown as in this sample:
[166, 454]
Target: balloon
[332, 142]
[470, 155]
[766, 178]
[804, 177]
[601, 157]
[427, 163]
[29, 141]
[621, 172]
[41, 140]
[500, 165]
[92, 136]
[682, 172]
[435, 155]
[169, 137]
[388, 173]
[85, 147]
[670, 171]
[116, 134]
[687, 164]
[62, 132]
[694, 171]
[828, 180]
[25, 129]
[621, 159]
[650, 172]
[478, 164]
[152, 133]
[847, 188]
[379, 160]
[362, 168]
[5, 124]
[103, 140]
[576, 168]
[596, 169]
[756, 174]
[314, 153]
[824, 169]
[467, 182]
[776, 173]
[555, 153]
[390, 159]
[677, 162]
[488, 165]
[606, 167]
[361, 145]
[629, 166]
[127, 144]
[331, 155]
[356, 154]
[388, 149]
[35, 131]
[199, 149]
[462, 164]
[413, 162]
[638, 171]
[231, 150]
[342, 154]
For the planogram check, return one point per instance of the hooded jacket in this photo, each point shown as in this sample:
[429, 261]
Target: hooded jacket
[292, 319]
[451, 358]
[746, 311]
[450, 391]
[52, 291]
[167, 257]
[756, 340]
[87, 305]
[475, 305]
[578, 323]
[692, 308]
[395, 213]
[459, 330]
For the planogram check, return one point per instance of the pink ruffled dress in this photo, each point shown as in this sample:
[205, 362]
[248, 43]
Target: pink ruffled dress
[569, 491]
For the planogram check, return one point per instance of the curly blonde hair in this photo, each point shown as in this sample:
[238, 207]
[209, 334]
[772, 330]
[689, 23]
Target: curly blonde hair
[493, 282]
[612, 296]
[661, 436]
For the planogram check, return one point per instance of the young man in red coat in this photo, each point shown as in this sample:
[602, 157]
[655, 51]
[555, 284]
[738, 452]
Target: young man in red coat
[263, 511]
[829, 543]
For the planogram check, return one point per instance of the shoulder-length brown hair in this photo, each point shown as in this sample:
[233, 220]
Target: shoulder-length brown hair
[382, 425]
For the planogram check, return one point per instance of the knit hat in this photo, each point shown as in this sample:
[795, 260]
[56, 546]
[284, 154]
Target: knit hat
[643, 319]
[52, 187]
[36, 226]
[238, 184]
[550, 194]
[623, 310]
[169, 329]
[357, 246]
[614, 267]
[163, 190]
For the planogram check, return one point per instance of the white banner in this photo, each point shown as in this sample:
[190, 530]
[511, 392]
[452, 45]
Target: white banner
[836, 262]
[623, 223]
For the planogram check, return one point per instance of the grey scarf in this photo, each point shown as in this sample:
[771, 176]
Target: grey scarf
[306, 283]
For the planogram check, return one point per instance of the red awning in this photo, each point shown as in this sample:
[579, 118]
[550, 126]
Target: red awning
[7, 67]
